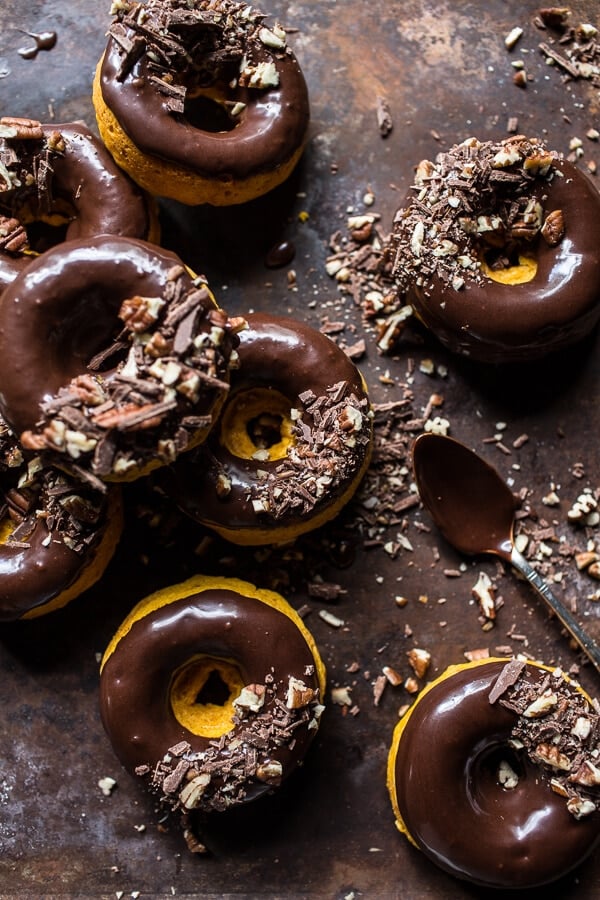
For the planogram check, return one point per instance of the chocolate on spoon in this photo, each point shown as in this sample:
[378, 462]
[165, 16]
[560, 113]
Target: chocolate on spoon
[474, 509]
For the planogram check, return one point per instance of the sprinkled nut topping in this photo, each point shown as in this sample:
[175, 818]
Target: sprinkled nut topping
[193, 45]
[477, 197]
[219, 776]
[558, 729]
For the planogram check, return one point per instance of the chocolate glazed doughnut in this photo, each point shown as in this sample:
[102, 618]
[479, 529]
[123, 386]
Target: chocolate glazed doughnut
[112, 357]
[225, 96]
[493, 775]
[498, 252]
[57, 535]
[292, 442]
[163, 719]
[61, 175]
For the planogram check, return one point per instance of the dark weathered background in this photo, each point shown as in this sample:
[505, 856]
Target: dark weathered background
[446, 73]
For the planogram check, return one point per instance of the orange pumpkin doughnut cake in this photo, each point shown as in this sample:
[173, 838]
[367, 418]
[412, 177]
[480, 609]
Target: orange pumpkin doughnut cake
[211, 691]
[498, 250]
[493, 773]
[200, 101]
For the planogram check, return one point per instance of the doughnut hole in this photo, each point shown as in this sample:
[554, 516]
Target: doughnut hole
[521, 271]
[202, 695]
[257, 424]
[210, 110]
[7, 526]
[494, 768]
[91, 326]
[46, 228]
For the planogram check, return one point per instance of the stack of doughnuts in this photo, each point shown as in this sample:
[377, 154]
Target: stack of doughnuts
[115, 359]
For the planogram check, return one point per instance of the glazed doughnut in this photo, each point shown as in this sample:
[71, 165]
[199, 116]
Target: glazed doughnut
[58, 182]
[113, 358]
[57, 535]
[291, 444]
[210, 692]
[200, 101]
[493, 773]
[498, 250]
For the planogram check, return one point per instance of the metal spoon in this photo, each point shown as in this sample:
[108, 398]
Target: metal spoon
[474, 509]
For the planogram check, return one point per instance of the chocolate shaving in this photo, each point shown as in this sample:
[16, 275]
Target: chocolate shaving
[507, 677]
[475, 197]
[230, 768]
[558, 729]
[180, 46]
[151, 406]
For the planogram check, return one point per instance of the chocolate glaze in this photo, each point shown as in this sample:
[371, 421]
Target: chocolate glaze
[455, 810]
[40, 566]
[136, 678]
[279, 354]
[33, 576]
[470, 503]
[102, 198]
[280, 255]
[63, 309]
[270, 130]
[509, 323]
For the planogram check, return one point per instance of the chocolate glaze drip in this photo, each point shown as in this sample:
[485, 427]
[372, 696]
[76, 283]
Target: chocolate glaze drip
[280, 255]
[455, 809]
[99, 198]
[136, 679]
[267, 133]
[292, 358]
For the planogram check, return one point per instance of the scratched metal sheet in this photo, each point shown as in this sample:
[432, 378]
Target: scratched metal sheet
[329, 832]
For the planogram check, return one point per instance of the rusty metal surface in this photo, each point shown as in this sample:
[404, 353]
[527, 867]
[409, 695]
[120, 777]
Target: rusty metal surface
[328, 833]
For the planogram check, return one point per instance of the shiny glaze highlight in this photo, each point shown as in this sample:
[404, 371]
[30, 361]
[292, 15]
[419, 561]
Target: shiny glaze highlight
[137, 675]
[451, 804]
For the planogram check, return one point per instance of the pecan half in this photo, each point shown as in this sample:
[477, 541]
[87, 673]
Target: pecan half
[553, 229]
[25, 129]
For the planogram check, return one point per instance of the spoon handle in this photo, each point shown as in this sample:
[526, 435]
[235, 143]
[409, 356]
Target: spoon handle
[587, 644]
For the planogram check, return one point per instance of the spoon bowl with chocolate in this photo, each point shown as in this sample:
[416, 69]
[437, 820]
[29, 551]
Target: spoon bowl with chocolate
[474, 509]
